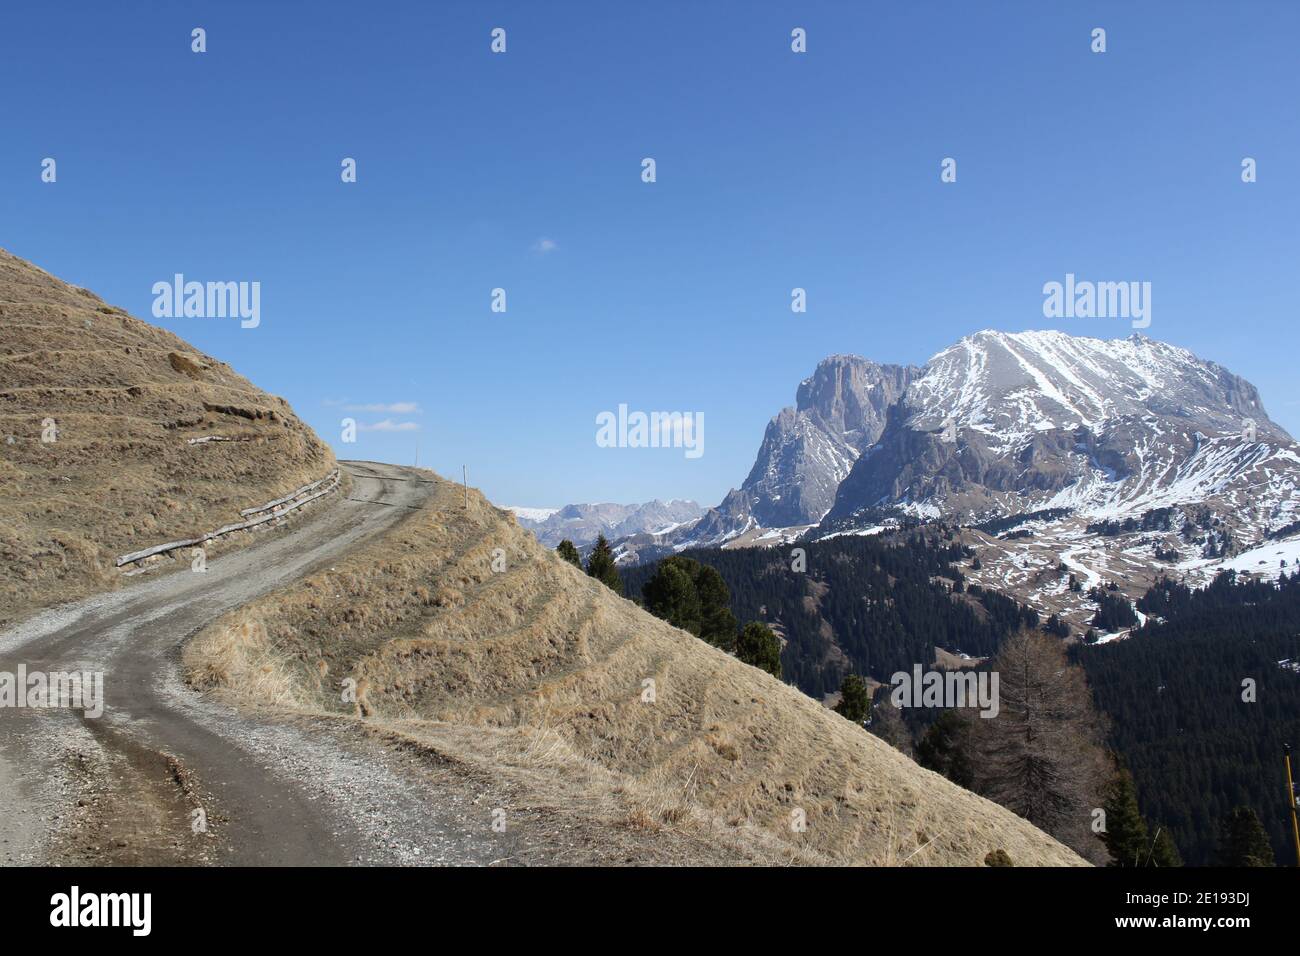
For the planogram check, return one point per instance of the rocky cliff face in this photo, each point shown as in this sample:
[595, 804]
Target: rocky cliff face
[809, 449]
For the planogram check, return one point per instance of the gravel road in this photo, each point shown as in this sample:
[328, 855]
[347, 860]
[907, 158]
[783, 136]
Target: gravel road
[168, 777]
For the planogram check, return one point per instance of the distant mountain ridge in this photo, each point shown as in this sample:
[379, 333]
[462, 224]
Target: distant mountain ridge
[582, 523]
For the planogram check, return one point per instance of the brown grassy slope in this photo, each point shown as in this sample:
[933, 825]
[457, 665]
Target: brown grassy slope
[125, 396]
[538, 672]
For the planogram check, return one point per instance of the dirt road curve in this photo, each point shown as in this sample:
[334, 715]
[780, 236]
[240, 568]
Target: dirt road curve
[136, 784]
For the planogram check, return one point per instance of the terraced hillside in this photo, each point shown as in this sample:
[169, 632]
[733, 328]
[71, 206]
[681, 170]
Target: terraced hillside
[458, 631]
[98, 413]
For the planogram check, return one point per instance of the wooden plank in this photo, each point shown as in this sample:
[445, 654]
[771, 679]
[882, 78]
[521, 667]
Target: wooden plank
[158, 549]
[291, 495]
[238, 526]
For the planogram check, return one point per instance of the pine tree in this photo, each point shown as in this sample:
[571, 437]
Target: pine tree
[717, 623]
[600, 565]
[672, 596]
[692, 596]
[1125, 835]
[1242, 841]
[569, 553]
[758, 645]
[855, 700]
[1113, 611]
[1163, 851]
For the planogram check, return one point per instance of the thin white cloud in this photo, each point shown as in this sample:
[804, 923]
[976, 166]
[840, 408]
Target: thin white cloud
[544, 245]
[388, 425]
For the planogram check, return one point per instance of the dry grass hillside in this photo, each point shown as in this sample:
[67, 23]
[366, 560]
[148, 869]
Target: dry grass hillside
[539, 674]
[123, 399]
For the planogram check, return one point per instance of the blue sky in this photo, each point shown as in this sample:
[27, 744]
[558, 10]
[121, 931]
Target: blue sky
[775, 170]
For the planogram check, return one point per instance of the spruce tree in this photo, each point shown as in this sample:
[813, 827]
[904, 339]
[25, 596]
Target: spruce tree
[758, 645]
[1163, 851]
[1126, 834]
[569, 553]
[692, 596]
[600, 565]
[672, 596]
[1242, 841]
[717, 623]
[855, 701]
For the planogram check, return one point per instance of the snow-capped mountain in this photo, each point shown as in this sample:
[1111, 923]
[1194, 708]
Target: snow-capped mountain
[1079, 463]
[807, 450]
[582, 523]
[1004, 423]
[1115, 459]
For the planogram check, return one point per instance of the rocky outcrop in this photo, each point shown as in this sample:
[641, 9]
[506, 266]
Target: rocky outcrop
[810, 448]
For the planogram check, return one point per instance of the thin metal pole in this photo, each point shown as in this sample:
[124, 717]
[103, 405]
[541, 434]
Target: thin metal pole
[464, 480]
[1291, 800]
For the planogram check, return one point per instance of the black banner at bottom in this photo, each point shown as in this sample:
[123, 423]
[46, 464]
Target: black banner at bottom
[301, 905]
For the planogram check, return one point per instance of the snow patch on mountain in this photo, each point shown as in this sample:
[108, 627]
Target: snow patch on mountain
[583, 523]
[532, 514]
